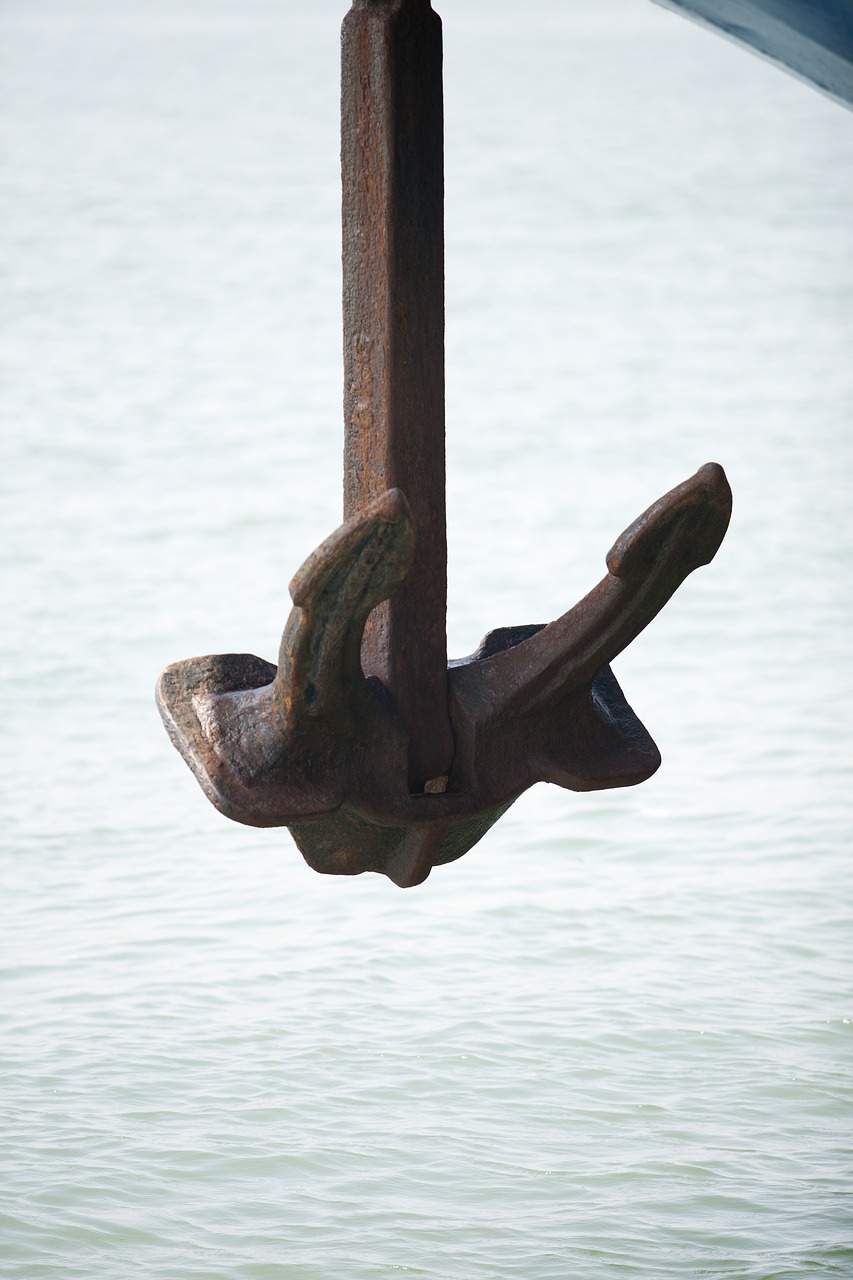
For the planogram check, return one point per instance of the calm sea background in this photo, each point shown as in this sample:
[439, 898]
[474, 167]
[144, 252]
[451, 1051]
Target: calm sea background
[615, 1040]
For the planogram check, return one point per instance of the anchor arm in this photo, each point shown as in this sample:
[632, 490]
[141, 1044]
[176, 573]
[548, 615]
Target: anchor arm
[272, 745]
[647, 564]
[361, 564]
[549, 703]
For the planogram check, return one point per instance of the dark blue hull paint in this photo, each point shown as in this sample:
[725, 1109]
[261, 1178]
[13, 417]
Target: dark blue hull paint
[811, 38]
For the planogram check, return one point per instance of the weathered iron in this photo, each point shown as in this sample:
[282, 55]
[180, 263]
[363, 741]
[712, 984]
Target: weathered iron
[364, 741]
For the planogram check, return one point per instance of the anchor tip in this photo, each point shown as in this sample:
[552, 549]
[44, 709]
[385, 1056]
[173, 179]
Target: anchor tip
[685, 526]
[392, 506]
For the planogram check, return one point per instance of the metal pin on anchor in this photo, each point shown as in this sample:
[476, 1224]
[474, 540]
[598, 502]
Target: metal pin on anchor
[374, 751]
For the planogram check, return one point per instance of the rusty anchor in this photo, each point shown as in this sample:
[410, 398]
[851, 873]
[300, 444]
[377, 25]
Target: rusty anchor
[377, 753]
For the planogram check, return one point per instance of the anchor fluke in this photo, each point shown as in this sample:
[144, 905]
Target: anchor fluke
[271, 745]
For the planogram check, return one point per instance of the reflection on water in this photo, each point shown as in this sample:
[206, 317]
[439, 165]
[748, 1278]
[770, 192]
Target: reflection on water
[614, 1039]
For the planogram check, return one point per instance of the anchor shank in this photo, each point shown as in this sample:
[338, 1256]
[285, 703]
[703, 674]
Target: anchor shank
[393, 311]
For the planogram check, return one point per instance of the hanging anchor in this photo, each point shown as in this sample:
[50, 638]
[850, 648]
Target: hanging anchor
[364, 741]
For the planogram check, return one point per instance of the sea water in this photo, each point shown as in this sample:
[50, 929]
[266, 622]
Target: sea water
[614, 1040]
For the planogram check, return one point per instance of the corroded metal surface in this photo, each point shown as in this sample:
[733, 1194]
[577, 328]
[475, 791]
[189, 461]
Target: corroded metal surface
[392, 168]
[363, 740]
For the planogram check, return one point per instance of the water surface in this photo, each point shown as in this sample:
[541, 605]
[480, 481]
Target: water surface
[615, 1039]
